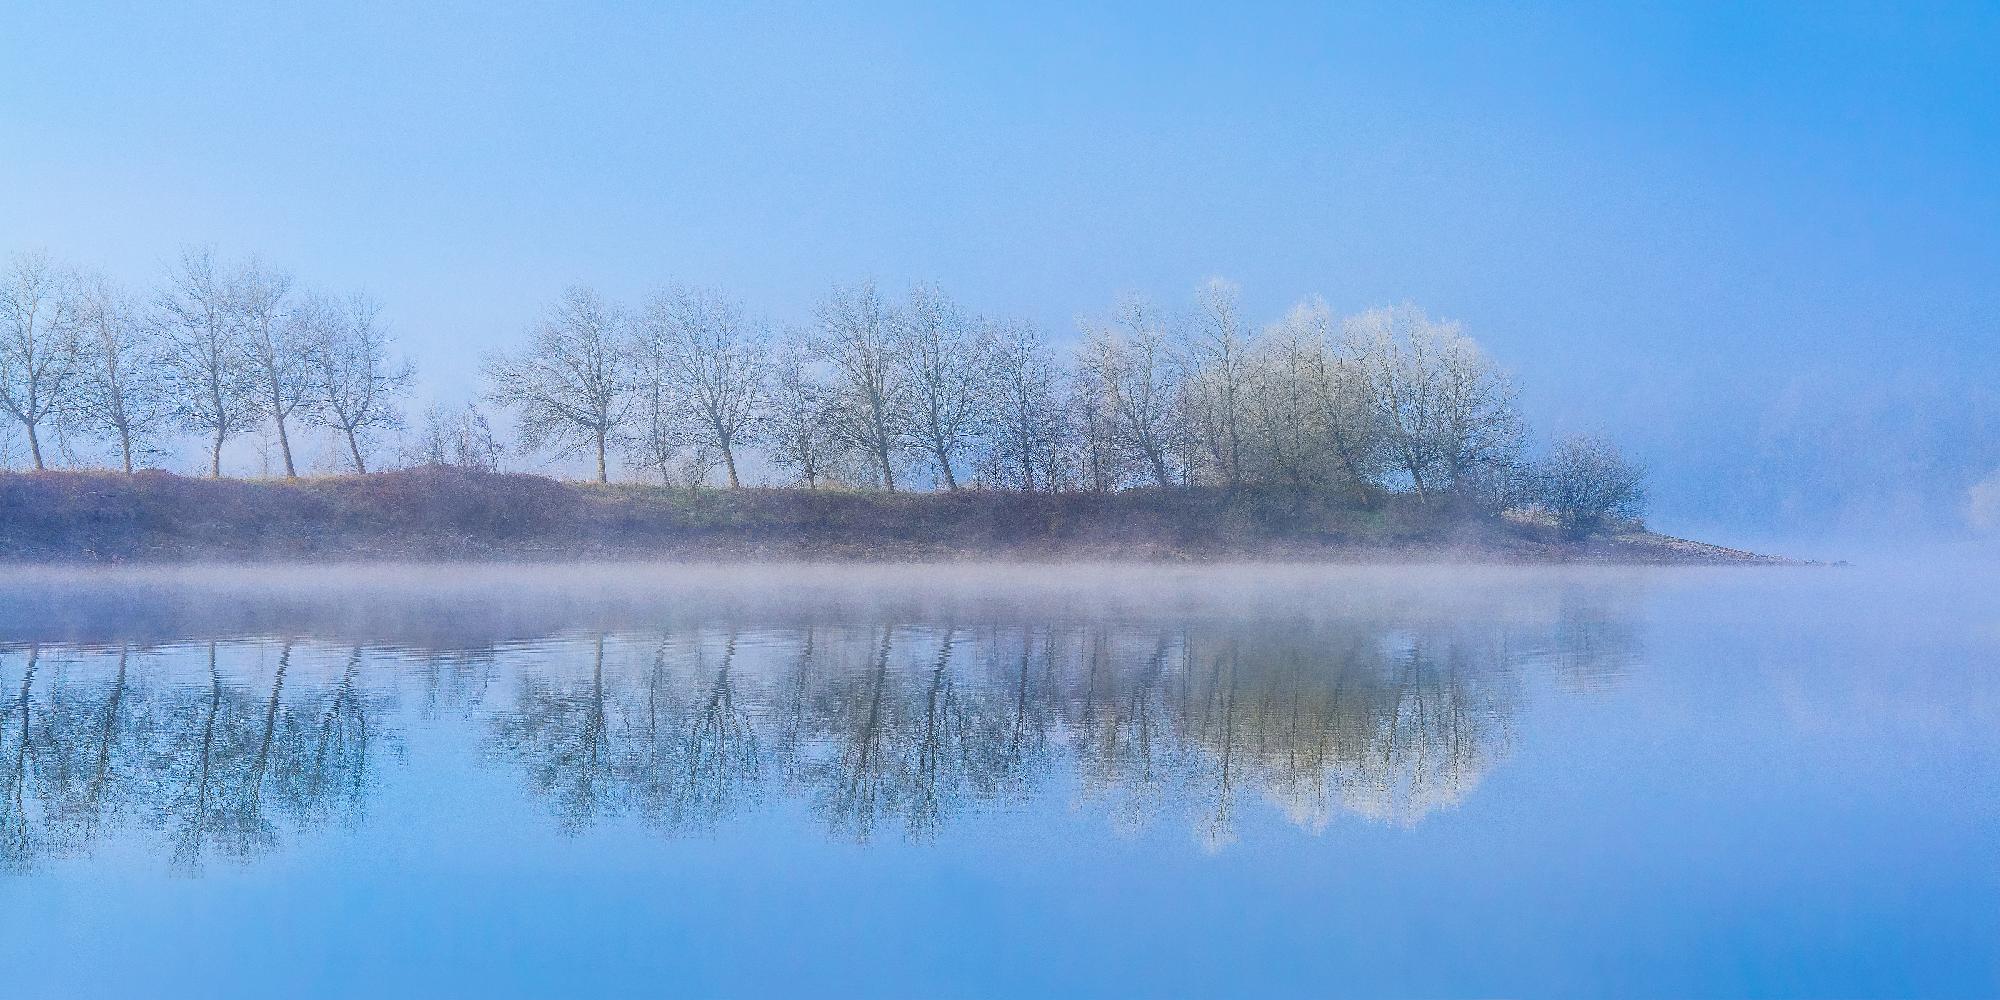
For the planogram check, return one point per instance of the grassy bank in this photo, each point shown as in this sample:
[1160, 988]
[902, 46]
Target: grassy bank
[440, 513]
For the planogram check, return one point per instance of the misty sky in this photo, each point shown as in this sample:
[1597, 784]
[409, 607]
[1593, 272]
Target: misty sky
[1761, 249]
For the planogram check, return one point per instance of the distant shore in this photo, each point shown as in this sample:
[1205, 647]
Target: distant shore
[451, 514]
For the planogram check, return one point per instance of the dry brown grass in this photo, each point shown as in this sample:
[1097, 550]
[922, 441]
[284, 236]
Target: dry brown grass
[445, 513]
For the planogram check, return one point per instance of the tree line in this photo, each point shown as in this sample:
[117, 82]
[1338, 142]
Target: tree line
[874, 392]
[216, 350]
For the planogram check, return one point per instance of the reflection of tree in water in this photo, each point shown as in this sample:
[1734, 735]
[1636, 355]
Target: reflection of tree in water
[212, 766]
[915, 741]
[559, 735]
[19, 825]
[1021, 682]
[699, 761]
[331, 781]
[241, 762]
[1315, 722]
[226, 749]
[961, 742]
[858, 782]
[1413, 734]
[1592, 641]
[913, 726]
[1118, 738]
[681, 752]
[454, 683]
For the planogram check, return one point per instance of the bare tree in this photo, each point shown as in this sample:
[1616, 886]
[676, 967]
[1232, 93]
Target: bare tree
[461, 438]
[275, 348]
[569, 389]
[1316, 421]
[1347, 414]
[662, 433]
[800, 429]
[1022, 398]
[1585, 484]
[859, 339]
[200, 356]
[1100, 461]
[38, 345]
[120, 390]
[703, 354]
[941, 356]
[1127, 364]
[1215, 378]
[1447, 410]
[1284, 440]
[353, 385]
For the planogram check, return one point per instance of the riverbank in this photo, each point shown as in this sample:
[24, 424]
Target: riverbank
[452, 514]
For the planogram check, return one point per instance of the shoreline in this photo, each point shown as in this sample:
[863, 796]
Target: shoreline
[453, 516]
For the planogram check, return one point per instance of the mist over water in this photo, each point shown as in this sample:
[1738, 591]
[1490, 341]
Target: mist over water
[1160, 779]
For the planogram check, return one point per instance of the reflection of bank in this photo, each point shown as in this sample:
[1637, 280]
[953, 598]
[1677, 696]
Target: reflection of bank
[225, 748]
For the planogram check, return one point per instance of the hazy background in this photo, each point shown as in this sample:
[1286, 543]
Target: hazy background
[1762, 249]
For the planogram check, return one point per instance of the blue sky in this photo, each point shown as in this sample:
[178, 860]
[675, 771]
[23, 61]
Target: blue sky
[1761, 246]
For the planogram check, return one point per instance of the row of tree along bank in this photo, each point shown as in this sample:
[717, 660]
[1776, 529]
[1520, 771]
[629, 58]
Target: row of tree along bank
[873, 393]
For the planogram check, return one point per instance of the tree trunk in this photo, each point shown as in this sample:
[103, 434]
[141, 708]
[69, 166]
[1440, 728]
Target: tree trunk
[284, 445]
[729, 459]
[270, 724]
[354, 448]
[107, 735]
[125, 447]
[888, 472]
[215, 457]
[35, 447]
[602, 475]
[27, 688]
[944, 466]
[1160, 470]
[1235, 447]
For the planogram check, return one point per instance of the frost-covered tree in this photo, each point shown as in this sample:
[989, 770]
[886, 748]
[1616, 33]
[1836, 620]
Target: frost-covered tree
[1099, 461]
[1215, 381]
[38, 345]
[200, 355]
[1284, 440]
[570, 388]
[1315, 422]
[1585, 484]
[121, 392]
[1127, 365]
[660, 435]
[458, 437]
[353, 386]
[275, 346]
[800, 430]
[857, 335]
[1024, 407]
[941, 355]
[698, 352]
[1447, 410]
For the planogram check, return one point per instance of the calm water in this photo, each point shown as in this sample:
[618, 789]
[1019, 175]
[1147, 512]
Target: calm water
[939, 782]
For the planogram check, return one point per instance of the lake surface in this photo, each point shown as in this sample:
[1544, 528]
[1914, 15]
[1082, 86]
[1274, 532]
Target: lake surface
[909, 781]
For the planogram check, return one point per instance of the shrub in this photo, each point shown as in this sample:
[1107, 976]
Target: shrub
[1585, 485]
